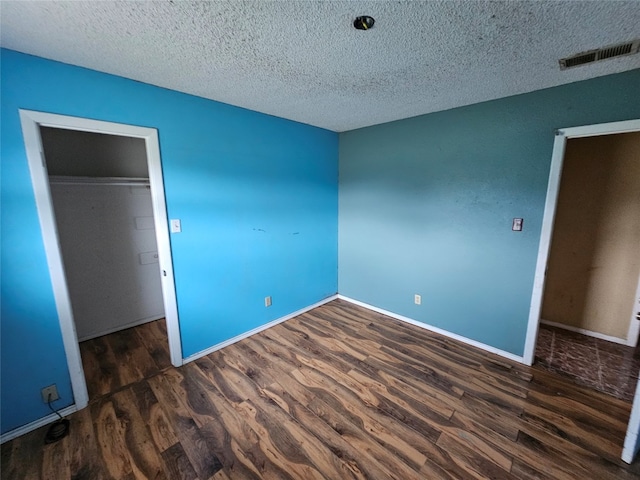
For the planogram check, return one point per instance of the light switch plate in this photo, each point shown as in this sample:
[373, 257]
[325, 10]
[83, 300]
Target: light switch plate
[176, 225]
[517, 224]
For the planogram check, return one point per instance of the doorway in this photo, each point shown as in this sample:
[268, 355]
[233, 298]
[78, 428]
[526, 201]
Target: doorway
[550, 212]
[37, 126]
[587, 332]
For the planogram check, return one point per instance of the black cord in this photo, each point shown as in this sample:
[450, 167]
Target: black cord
[58, 429]
[52, 409]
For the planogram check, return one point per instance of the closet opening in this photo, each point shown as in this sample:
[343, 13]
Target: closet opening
[100, 197]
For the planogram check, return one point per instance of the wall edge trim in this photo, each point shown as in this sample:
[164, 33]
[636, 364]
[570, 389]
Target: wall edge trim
[259, 329]
[426, 326]
[584, 331]
[29, 427]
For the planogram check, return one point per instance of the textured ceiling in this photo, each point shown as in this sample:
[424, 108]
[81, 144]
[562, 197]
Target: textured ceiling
[303, 60]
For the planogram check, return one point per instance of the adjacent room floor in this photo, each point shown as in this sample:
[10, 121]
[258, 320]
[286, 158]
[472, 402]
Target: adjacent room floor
[339, 392]
[604, 366]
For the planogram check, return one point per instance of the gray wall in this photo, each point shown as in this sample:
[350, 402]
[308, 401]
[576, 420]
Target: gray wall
[88, 154]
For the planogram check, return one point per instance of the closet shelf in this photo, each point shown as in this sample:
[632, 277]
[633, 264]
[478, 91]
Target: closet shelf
[72, 180]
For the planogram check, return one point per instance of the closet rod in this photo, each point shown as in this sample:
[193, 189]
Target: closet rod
[122, 181]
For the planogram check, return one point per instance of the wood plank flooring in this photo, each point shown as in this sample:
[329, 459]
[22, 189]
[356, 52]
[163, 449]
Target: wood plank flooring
[337, 393]
[119, 359]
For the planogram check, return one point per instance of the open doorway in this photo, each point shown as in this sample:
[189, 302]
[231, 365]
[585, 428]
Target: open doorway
[627, 259]
[587, 332]
[100, 193]
[93, 217]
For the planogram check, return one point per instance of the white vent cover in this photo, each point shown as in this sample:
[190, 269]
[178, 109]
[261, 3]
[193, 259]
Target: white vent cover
[618, 50]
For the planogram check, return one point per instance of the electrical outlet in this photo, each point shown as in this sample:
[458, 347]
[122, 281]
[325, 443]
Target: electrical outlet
[267, 301]
[417, 299]
[50, 390]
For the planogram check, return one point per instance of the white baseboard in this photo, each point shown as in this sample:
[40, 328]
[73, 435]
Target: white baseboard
[259, 329]
[589, 333]
[29, 427]
[440, 331]
[72, 408]
[135, 323]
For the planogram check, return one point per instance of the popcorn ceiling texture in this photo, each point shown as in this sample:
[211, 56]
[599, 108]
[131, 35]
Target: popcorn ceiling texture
[304, 61]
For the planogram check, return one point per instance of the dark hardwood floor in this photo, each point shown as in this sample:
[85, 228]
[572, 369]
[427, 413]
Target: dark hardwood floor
[119, 359]
[339, 392]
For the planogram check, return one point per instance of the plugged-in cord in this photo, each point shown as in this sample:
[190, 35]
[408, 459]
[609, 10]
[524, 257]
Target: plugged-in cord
[53, 409]
[58, 429]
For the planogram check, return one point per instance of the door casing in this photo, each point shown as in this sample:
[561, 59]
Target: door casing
[546, 234]
[31, 122]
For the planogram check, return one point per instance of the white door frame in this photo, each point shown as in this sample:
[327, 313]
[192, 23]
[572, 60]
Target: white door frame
[546, 234]
[31, 122]
[634, 323]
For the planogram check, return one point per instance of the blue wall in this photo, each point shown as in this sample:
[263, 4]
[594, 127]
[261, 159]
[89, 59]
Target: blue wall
[426, 204]
[425, 207]
[257, 196]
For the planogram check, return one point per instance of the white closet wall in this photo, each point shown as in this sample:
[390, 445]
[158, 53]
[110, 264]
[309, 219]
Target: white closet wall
[108, 245]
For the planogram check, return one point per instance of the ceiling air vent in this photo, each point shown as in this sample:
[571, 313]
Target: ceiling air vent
[628, 48]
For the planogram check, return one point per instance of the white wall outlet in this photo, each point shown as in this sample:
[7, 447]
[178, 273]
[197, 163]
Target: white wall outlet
[267, 301]
[417, 299]
[176, 225]
[50, 390]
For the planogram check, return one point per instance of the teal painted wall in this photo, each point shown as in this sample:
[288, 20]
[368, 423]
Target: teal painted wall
[425, 207]
[426, 204]
[257, 196]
